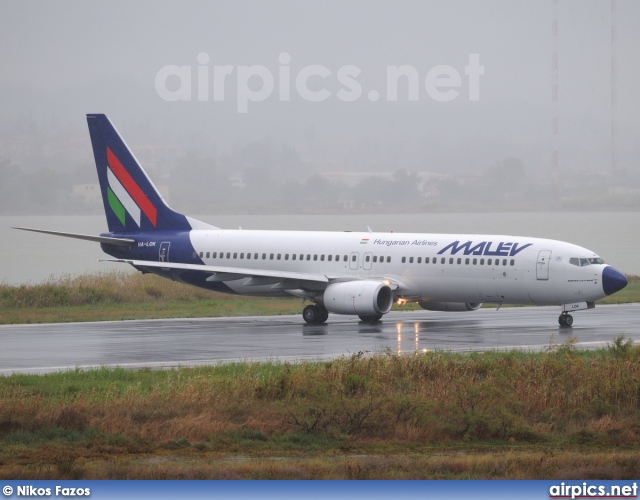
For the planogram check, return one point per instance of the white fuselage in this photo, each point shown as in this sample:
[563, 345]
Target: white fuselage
[425, 267]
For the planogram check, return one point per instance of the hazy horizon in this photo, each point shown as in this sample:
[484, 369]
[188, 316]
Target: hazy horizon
[63, 60]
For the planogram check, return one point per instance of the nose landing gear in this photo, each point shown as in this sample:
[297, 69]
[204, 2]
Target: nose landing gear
[565, 319]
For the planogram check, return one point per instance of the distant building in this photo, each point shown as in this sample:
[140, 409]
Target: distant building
[88, 192]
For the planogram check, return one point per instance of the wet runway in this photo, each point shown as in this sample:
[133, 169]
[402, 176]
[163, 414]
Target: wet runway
[189, 342]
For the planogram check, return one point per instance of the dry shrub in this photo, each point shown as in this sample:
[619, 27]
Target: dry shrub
[111, 287]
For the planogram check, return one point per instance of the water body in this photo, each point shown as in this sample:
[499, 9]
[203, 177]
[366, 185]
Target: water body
[32, 258]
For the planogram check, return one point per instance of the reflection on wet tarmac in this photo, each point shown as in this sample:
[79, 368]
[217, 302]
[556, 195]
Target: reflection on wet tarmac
[180, 342]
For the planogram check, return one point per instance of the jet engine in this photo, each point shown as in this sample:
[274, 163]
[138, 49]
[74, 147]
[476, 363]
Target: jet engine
[358, 297]
[450, 306]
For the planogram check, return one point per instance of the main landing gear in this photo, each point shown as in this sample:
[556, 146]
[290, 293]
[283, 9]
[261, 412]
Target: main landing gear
[315, 315]
[565, 319]
[370, 318]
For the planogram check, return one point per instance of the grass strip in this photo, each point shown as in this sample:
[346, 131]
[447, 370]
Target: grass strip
[562, 413]
[120, 295]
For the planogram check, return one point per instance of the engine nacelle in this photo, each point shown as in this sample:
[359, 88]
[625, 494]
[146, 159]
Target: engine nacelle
[450, 306]
[358, 297]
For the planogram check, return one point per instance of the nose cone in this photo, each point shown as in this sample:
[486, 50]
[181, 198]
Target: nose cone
[612, 280]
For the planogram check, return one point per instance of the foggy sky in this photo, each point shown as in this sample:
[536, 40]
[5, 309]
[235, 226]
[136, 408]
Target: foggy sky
[61, 60]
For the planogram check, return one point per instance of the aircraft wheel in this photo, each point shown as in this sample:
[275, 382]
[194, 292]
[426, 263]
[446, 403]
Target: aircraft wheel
[314, 315]
[565, 319]
[370, 318]
[324, 315]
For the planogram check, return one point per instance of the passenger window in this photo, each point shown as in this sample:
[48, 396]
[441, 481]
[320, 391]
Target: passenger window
[388, 259]
[353, 258]
[293, 256]
[459, 260]
[279, 256]
[426, 260]
[286, 256]
[308, 256]
[410, 260]
[482, 262]
[228, 255]
[513, 262]
[504, 262]
[451, 260]
[271, 257]
[404, 259]
[375, 258]
[248, 256]
[489, 262]
[235, 255]
[264, 256]
[207, 255]
[419, 260]
[466, 261]
[255, 256]
[367, 258]
[315, 257]
[329, 258]
[201, 254]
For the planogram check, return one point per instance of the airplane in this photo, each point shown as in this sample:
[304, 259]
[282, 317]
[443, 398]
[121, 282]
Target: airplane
[349, 273]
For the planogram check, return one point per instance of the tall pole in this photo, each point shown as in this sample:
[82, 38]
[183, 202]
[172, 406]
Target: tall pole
[554, 92]
[614, 91]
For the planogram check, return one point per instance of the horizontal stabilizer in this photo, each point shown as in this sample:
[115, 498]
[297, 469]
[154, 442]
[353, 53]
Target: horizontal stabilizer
[123, 242]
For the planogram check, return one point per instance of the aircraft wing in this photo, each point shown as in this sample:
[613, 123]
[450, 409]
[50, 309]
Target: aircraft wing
[224, 273]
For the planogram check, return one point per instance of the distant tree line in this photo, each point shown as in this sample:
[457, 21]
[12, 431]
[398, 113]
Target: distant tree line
[260, 178]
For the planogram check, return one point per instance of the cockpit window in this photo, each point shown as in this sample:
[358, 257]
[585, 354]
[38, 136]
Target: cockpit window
[575, 261]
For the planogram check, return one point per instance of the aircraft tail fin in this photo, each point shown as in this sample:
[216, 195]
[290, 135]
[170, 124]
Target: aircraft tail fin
[131, 201]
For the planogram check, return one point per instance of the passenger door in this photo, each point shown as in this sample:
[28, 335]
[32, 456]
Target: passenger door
[542, 266]
[164, 251]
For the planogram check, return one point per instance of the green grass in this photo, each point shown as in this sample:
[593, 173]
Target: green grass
[563, 413]
[120, 296]
[631, 293]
